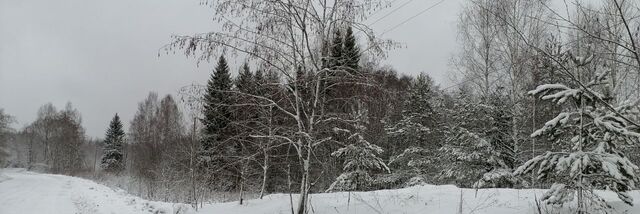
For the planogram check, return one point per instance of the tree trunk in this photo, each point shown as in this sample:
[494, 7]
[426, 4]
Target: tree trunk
[265, 170]
[304, 187]
[302, 204]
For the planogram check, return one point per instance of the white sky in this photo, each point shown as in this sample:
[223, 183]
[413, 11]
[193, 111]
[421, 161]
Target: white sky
[103, 55]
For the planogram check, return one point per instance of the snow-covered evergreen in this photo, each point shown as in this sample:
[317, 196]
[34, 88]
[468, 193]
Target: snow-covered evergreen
[476, 151]
[113, 153]
[413, 134]
[360, 157]
[596, 128]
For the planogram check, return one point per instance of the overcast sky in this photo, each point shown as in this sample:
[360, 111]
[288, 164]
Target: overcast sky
[103, 55]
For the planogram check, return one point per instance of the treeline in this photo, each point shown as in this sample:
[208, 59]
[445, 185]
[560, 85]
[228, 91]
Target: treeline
[537, 105]
[55, 142]
[545, 99]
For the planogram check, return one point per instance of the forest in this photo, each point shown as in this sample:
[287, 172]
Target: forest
[545, 96]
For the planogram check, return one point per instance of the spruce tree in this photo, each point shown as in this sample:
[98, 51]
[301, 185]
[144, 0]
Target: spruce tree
[244, 81]
[259, 81]
[113, 154]
[412, 136]
[472, 152]
[360, 157]
[351, 55]
[216, 113]
[596, 130]
[336, 60]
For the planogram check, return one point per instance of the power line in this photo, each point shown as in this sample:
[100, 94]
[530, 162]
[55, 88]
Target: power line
[403, 22]
[410, 18]
[394, 10]
[382, 9]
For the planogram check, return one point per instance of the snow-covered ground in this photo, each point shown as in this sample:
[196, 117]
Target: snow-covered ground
[28, 192]
[24, 192]
[418, 199]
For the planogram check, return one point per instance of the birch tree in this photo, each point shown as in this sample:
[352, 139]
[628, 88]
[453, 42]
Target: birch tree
[287, 36]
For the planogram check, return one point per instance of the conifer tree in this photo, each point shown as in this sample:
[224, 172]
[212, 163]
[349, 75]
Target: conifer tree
[244, 81]
[113, 154]
[259, 81]
[596, 130]
[351, 55]
[472, 150]
[336, 54]
[418, 116]
[360, 157]
[413, 135]
[216, 113]
[243, 117]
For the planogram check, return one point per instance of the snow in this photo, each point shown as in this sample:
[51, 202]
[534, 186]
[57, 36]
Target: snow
[417, 199]
[27, 192]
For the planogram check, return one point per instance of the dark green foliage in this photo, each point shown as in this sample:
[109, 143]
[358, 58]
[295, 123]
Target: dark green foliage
[336, 57]
[113, 152]
[351, 55]
[360, 158]
[477, 143]
[217, 116]
[596, 137]
[244, 82]
[414, 138]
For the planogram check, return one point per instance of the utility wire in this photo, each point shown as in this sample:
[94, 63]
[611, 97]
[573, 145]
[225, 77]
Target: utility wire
[394, 10]
[413, 17]
[380, 10]
[398, 25]
[402, 23]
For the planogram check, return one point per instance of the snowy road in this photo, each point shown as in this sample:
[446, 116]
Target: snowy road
[35, 194]
[23, 192]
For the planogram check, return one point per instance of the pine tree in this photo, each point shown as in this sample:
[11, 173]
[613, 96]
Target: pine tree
[218, 148]
[259, 81]
[472, 151]
[596, 130]
[413, 135]
[351, 56]
[217, 115]
[244, 81]
[360, 157]
[113, 153]
[418, 116]
[336, 51]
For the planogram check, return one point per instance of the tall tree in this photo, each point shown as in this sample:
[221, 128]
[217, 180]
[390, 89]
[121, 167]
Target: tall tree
[217, 117]
[244, 82]
[351, 55]
[113, 152]
[68, 140]
[288, 36]
[336, 54]
[414, 140]
[157, 135]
